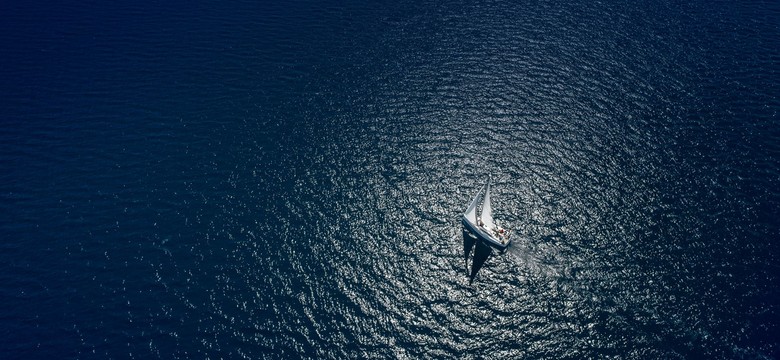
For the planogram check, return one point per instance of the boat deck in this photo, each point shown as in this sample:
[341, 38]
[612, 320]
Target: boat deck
[485, 235]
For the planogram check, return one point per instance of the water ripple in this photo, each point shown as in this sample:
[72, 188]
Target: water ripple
[285, 180]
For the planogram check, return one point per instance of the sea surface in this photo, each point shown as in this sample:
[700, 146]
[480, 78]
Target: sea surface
[285, 179]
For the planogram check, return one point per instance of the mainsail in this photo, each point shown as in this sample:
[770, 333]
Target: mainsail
[487, 211]
[471, 211]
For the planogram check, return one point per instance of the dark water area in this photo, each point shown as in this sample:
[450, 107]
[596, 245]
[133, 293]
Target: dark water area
[286, 179]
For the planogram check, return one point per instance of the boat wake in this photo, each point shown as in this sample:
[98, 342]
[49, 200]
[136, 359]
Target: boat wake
[533, 261]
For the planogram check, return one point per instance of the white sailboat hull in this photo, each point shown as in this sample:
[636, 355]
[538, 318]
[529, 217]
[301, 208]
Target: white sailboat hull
[483, 235]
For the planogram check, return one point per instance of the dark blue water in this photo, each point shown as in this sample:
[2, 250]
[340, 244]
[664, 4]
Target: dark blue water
[285, 180]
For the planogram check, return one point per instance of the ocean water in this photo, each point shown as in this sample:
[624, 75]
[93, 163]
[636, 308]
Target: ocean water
[189, 180]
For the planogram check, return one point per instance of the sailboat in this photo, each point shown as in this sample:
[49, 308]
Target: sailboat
[483, 227]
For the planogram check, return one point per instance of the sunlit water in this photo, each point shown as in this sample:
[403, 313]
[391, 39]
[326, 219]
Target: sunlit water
[286, 181]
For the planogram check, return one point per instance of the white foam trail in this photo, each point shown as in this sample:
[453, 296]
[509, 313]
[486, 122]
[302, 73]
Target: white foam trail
[526, 257]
